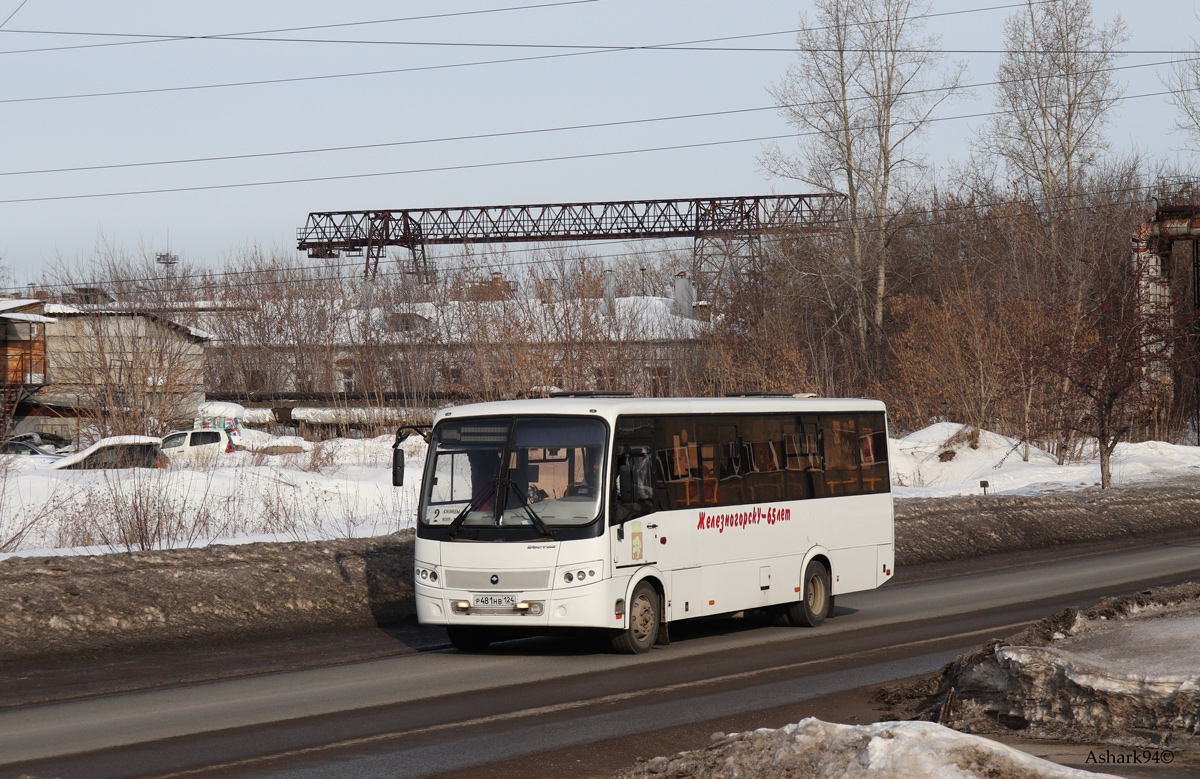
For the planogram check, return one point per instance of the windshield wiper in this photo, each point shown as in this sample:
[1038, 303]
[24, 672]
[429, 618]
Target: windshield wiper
[477, 501]
[533, 515]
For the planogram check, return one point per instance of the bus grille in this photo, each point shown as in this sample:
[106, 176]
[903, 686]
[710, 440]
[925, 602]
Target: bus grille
[508, 580]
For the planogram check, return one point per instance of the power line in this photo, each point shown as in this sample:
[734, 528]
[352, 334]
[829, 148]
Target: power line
[356, 265]
[8, 18]
[209, 276]
[167, 37]
[505, 163]
[160, 38]
[295, 79]
[512, 133]
[509, 60]
[682, 46]
[597, 48]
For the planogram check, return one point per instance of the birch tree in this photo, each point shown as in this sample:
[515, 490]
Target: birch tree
[1055, 94]
[864, 86]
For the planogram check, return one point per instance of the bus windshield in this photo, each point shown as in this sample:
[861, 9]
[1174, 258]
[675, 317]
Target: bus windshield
[511, 471]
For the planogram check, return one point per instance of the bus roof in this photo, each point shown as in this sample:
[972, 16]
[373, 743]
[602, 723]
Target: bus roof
[612, 407]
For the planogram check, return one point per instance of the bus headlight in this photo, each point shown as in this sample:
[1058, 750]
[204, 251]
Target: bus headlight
[424, 573]
[580, 573]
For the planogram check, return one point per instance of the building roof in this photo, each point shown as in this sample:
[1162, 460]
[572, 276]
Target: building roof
[12, 310]
[67, 310]
[629, 320]
[16, 304]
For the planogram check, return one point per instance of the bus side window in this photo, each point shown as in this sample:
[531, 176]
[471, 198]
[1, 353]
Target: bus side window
[634, 493]
[678, 451]
[709, 461]
[732, 480]
[841, 455]
[804, 459]
[764, 476]
[873, 453]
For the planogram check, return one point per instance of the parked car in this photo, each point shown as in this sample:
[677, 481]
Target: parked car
[123, 451]
[196, 444]
[26, 449]
[45, 441]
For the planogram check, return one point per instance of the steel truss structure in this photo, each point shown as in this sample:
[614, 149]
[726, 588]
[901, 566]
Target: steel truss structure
[736, 220]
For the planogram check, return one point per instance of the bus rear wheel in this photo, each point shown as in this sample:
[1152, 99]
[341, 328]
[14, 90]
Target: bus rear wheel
[469, 639]
[644, 616]
[814, 601]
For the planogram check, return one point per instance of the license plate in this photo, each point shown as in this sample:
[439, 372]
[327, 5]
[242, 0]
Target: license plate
[491, 601]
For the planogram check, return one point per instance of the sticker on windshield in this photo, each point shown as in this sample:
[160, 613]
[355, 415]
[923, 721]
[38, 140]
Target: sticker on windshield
[444, 514]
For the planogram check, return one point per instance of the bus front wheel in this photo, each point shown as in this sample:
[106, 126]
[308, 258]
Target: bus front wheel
[469, 639]
[814, 602]
[644, 616]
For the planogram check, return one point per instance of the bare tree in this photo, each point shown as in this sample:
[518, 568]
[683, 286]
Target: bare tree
[118, 353]
[1055, 94]
[864, 85]
[280, 327]
[1184, 82]
[1121, 360]
[130, 371]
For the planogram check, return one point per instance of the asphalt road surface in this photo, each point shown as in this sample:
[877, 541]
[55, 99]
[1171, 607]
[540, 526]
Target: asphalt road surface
[437, 712]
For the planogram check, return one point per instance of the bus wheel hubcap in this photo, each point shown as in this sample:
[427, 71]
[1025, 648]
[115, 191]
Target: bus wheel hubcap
[643, 612]
[816, 594]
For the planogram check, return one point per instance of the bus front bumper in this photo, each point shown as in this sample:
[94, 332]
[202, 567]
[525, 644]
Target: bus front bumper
[583, 606]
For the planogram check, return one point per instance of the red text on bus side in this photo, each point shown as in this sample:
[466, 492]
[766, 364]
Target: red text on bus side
[754, 516]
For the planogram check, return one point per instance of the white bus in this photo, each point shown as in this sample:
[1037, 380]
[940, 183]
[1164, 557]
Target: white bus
[625, 514]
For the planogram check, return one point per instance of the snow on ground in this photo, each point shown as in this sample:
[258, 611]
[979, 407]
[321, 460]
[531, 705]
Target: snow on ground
[922, 469]
[291, 489]
[1133, 656]
[822, 750]
[332, 489]
[1108, 674]
[1124, 674]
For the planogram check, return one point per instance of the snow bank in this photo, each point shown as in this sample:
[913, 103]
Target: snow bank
[333, 489]
[820, 750]
[293, 489]
[1124, 671]
[948, 460]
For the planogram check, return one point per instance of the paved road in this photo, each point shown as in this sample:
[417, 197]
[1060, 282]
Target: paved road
[429, 713]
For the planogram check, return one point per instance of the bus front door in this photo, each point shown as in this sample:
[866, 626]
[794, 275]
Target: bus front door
[634, 533]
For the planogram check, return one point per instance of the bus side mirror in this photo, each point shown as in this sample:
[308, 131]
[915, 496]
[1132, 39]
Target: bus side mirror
[397, 467]
[398, 453]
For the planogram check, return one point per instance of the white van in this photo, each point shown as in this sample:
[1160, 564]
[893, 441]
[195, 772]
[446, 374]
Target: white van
[196, 444]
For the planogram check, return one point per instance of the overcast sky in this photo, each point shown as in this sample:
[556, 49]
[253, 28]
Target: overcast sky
[43, 217]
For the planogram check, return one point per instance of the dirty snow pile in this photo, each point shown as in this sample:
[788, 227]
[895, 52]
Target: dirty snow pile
[1125, 671]
[812, 749]
[947, 460]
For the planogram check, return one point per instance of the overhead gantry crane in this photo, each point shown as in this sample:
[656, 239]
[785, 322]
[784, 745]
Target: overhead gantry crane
[720, 227]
